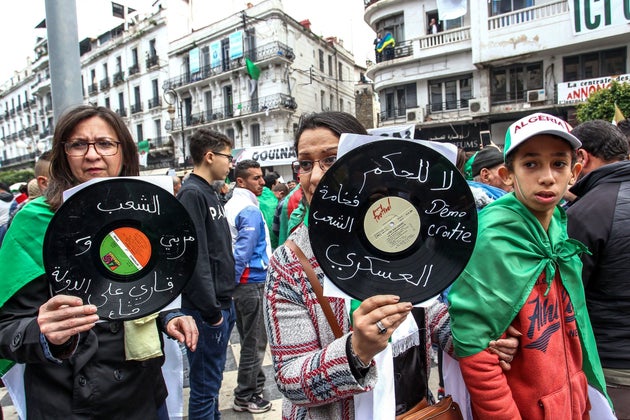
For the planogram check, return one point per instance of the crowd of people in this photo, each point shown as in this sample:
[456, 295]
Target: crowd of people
[534, 327]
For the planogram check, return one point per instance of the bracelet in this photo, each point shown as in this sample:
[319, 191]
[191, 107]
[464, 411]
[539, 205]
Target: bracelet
[356, 359]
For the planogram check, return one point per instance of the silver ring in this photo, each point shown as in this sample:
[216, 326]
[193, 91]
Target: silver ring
[381, 327]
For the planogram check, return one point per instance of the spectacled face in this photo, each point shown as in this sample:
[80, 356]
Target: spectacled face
[220, 163]
[542, 174]
[254, 181]
[92, 164]
[316, 144]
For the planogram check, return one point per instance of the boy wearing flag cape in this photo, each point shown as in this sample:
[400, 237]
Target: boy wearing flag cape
[525, 272]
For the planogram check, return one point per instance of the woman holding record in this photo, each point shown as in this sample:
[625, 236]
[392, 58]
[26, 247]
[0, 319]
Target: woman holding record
[324, 377]
[74, 366]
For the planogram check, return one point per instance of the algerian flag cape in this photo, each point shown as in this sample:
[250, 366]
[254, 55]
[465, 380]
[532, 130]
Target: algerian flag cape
[21, 252]
[508, 230]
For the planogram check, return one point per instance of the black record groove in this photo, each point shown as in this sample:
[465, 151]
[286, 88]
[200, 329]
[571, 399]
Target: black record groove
[124, 245]
[393, 217]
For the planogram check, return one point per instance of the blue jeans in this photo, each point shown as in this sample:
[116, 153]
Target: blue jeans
[207, 364]
[248, 303]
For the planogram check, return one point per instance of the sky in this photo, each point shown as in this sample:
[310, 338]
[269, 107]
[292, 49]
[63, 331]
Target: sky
[341, 18]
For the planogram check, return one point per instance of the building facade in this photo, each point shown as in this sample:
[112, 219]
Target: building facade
[468, 79]
[170, 71]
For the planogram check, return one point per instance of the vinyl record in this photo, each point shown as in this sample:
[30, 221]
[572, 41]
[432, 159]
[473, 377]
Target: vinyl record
[393, 217]
[124, 245]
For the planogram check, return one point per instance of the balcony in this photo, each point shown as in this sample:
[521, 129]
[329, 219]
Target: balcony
[92, 89]
[19, 159]
[445, 38]
[135, 69]
[404, 49]
[152, 61]
[104, 84]
[528, 14]
[265, 52]
[118, 78]
[122, 112]
[45, 133]
[155, 103]
[267, 103]
[136, 108]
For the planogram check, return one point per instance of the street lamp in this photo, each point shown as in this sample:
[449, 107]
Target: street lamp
[171, 97]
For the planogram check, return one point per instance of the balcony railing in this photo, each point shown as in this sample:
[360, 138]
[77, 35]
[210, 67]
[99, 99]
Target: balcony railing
[155, 102]
[158, 142]
[92, 89]
[118, 78]
[261, 53]
[152, 61]
[528, 14]
[19, 159]
[104, 84]
[266, 103]
[45, 133]
[404, 49]
[134, 69]
[136, 108]
[446, 37]
[122, 112]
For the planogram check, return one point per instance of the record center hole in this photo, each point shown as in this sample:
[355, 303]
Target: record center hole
[125, 251]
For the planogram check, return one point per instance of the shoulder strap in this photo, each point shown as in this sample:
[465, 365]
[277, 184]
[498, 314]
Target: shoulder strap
[317, 288]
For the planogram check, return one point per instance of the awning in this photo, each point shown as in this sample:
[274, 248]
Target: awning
[270, 155]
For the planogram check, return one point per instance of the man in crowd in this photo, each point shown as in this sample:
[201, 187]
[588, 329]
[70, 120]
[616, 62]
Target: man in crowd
[250, 239]
[599, 219]
[207, 296]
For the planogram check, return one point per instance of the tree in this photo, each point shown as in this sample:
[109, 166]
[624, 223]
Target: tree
[601, 104]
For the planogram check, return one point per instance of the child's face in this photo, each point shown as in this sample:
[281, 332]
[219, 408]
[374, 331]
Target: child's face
[541, 175]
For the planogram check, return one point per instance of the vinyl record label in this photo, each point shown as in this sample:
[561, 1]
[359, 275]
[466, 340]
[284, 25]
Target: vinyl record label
[393, 217]
[124, 245]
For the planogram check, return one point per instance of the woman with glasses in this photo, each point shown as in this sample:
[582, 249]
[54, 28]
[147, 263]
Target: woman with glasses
[318, 374]
[75, 367]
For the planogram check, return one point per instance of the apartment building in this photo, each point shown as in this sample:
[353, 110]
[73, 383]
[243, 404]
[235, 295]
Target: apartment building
[468, 79]
[173, 69]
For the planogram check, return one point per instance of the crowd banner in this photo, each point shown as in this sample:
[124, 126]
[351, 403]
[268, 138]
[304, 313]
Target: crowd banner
[268, 155]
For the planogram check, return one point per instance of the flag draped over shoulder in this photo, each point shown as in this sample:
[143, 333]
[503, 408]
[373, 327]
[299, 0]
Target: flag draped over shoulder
[512, 251]
[618, 117]
[21, 252]
[387, 41]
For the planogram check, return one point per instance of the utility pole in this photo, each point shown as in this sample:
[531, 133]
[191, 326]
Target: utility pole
[63, 55]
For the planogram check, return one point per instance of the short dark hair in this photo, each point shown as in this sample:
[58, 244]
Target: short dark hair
[335, 121]
[603, 140]
[61, 177]
[4, 187]
[240, 171]
[204, 140]
[270, 179]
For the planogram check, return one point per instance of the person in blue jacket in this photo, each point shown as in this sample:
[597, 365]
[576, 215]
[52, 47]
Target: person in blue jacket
[252, 249]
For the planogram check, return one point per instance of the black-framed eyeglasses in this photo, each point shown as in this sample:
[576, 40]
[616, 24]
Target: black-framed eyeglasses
[230, 158]
[79, 148]
[306, 166]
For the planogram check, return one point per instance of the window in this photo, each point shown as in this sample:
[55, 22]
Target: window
[595, 64]
[331, 102]
[511, 83]
[139, 134]
[398, 99]
[254, 131]
[322, 95]
[230, 133]
[158, 129]
[393, 24]
[340, 71]
[107, 104]
[152, 51]
[330, 65]
[341, 105]
[451, 93]
[321, 61]
[227, 100]
[498, 7]
[207, 95]
[134, 56]
[105, 71]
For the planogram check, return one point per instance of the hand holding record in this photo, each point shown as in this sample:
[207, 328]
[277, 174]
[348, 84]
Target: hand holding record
[393, 217]
[124, 245]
